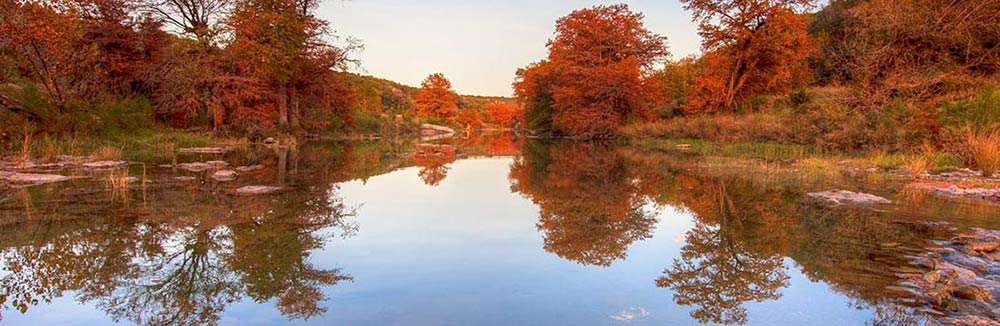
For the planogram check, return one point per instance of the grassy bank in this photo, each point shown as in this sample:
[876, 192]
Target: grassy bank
[929, 161]
[963, 132]
[146, 145]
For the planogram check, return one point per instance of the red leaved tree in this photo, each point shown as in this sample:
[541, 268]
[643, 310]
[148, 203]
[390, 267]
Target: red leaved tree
[504, 114]
[601, 58]
[436, 98]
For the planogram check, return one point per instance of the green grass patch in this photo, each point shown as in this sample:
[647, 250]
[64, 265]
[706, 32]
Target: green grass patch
[764, 151]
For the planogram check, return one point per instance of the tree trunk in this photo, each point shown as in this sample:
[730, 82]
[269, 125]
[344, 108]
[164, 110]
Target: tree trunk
[294, 114]
[282, 153]
[282, 106]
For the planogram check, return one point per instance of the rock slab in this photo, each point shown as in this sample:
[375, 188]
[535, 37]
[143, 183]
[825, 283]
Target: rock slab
[844, 197]
[258, 190]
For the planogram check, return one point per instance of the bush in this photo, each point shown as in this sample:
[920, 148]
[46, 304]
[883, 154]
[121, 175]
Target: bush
[982, 110]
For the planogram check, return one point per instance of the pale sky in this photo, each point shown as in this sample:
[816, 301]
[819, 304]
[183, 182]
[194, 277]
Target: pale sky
[477, 44]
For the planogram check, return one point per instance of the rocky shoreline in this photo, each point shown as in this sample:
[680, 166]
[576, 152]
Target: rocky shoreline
[957, 280]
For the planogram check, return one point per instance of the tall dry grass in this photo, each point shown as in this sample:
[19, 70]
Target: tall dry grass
[107, 153]
[758, 127]
[981, 150]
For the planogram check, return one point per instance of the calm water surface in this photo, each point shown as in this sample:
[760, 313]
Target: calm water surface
[486, 231]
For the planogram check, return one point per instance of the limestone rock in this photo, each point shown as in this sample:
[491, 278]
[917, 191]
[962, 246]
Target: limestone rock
[842, 197]
[225, 175]
[105, 164]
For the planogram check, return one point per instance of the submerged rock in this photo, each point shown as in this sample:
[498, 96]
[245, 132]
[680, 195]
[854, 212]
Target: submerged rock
[258, 190]
[195, 167]
[842, 197]
[249, 168]
[972, 321]
[204, 150]
[32, 178]
[960, 190]
[977, 242]
[225, 175]
[105, 164]
[217, 164]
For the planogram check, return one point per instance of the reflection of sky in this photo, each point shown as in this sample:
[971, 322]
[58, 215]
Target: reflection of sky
[467, 253]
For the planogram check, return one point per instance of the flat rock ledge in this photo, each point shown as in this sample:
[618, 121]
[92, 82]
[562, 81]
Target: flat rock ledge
[259, 190]
[431, 129]
[204, 150]
[844, 197]
[103, 165]
[32, 178]
[987, 194]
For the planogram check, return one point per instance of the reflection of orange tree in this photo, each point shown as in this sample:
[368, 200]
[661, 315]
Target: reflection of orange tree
[184, 272]
[591, 207]
[433, 160]
[732, 255]
[501, 145]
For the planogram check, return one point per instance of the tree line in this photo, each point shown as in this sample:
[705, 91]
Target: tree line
[246, 65]
[603, 68]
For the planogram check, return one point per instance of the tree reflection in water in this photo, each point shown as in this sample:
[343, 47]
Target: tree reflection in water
[589, 197]
[189, 258]
[732, 255]
[433, 160]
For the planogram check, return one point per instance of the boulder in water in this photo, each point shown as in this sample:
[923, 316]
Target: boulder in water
[843, 197]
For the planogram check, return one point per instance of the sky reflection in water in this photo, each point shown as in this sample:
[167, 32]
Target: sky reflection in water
[574, 234]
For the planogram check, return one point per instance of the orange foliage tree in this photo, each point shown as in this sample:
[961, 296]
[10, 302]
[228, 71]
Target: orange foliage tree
[78, 50]
[751, 47]
[503, 114]
[230, 63]
[598, 66]
[436, 98]
[469, 119]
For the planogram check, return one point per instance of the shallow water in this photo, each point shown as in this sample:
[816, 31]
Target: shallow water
[486, 231]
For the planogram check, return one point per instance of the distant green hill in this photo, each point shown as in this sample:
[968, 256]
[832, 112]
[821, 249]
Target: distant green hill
[381, 96]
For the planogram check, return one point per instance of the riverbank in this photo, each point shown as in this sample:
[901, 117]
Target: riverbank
[940, 173]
